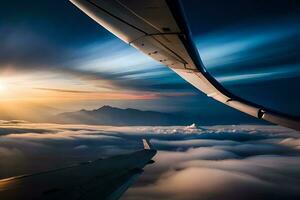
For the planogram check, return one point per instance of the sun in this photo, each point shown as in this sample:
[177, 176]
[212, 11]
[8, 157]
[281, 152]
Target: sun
[3, 87]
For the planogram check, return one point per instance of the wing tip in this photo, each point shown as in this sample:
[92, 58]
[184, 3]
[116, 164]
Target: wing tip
[147, 144]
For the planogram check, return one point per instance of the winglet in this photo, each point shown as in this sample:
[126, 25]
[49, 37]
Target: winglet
[147, 144]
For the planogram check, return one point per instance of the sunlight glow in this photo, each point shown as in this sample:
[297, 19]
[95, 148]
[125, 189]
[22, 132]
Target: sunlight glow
[3, 87]
[38, 95]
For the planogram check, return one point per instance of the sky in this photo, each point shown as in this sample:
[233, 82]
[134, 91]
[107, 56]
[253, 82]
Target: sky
[53, 58]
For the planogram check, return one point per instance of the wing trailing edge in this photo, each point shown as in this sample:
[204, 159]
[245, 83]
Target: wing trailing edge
[158, 28]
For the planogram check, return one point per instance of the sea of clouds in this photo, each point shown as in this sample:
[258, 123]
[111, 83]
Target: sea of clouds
[215, 162]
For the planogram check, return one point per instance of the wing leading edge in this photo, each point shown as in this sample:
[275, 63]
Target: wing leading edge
[158, 29]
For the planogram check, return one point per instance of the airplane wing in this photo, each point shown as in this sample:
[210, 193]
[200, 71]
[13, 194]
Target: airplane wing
[159, 29]
[105, 179]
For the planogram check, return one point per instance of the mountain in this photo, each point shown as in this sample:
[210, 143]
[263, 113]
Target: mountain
[108, 115]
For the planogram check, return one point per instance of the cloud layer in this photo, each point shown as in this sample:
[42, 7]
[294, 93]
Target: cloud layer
[213, 162]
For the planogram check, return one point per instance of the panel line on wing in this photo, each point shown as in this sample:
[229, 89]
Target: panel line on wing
[116, 17]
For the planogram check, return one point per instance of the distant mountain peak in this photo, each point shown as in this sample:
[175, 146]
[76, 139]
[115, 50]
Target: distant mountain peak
[106, 107]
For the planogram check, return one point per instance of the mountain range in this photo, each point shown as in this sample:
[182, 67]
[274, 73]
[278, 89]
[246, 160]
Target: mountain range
[108, 115]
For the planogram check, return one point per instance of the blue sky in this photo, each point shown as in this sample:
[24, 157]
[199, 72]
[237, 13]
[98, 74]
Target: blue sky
[54, 56]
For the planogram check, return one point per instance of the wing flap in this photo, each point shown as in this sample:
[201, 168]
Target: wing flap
[113, 23]
[156, 13]
[158, 51]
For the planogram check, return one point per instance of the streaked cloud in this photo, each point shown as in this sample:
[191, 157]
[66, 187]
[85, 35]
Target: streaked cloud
[276, 73]
[64, 90]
